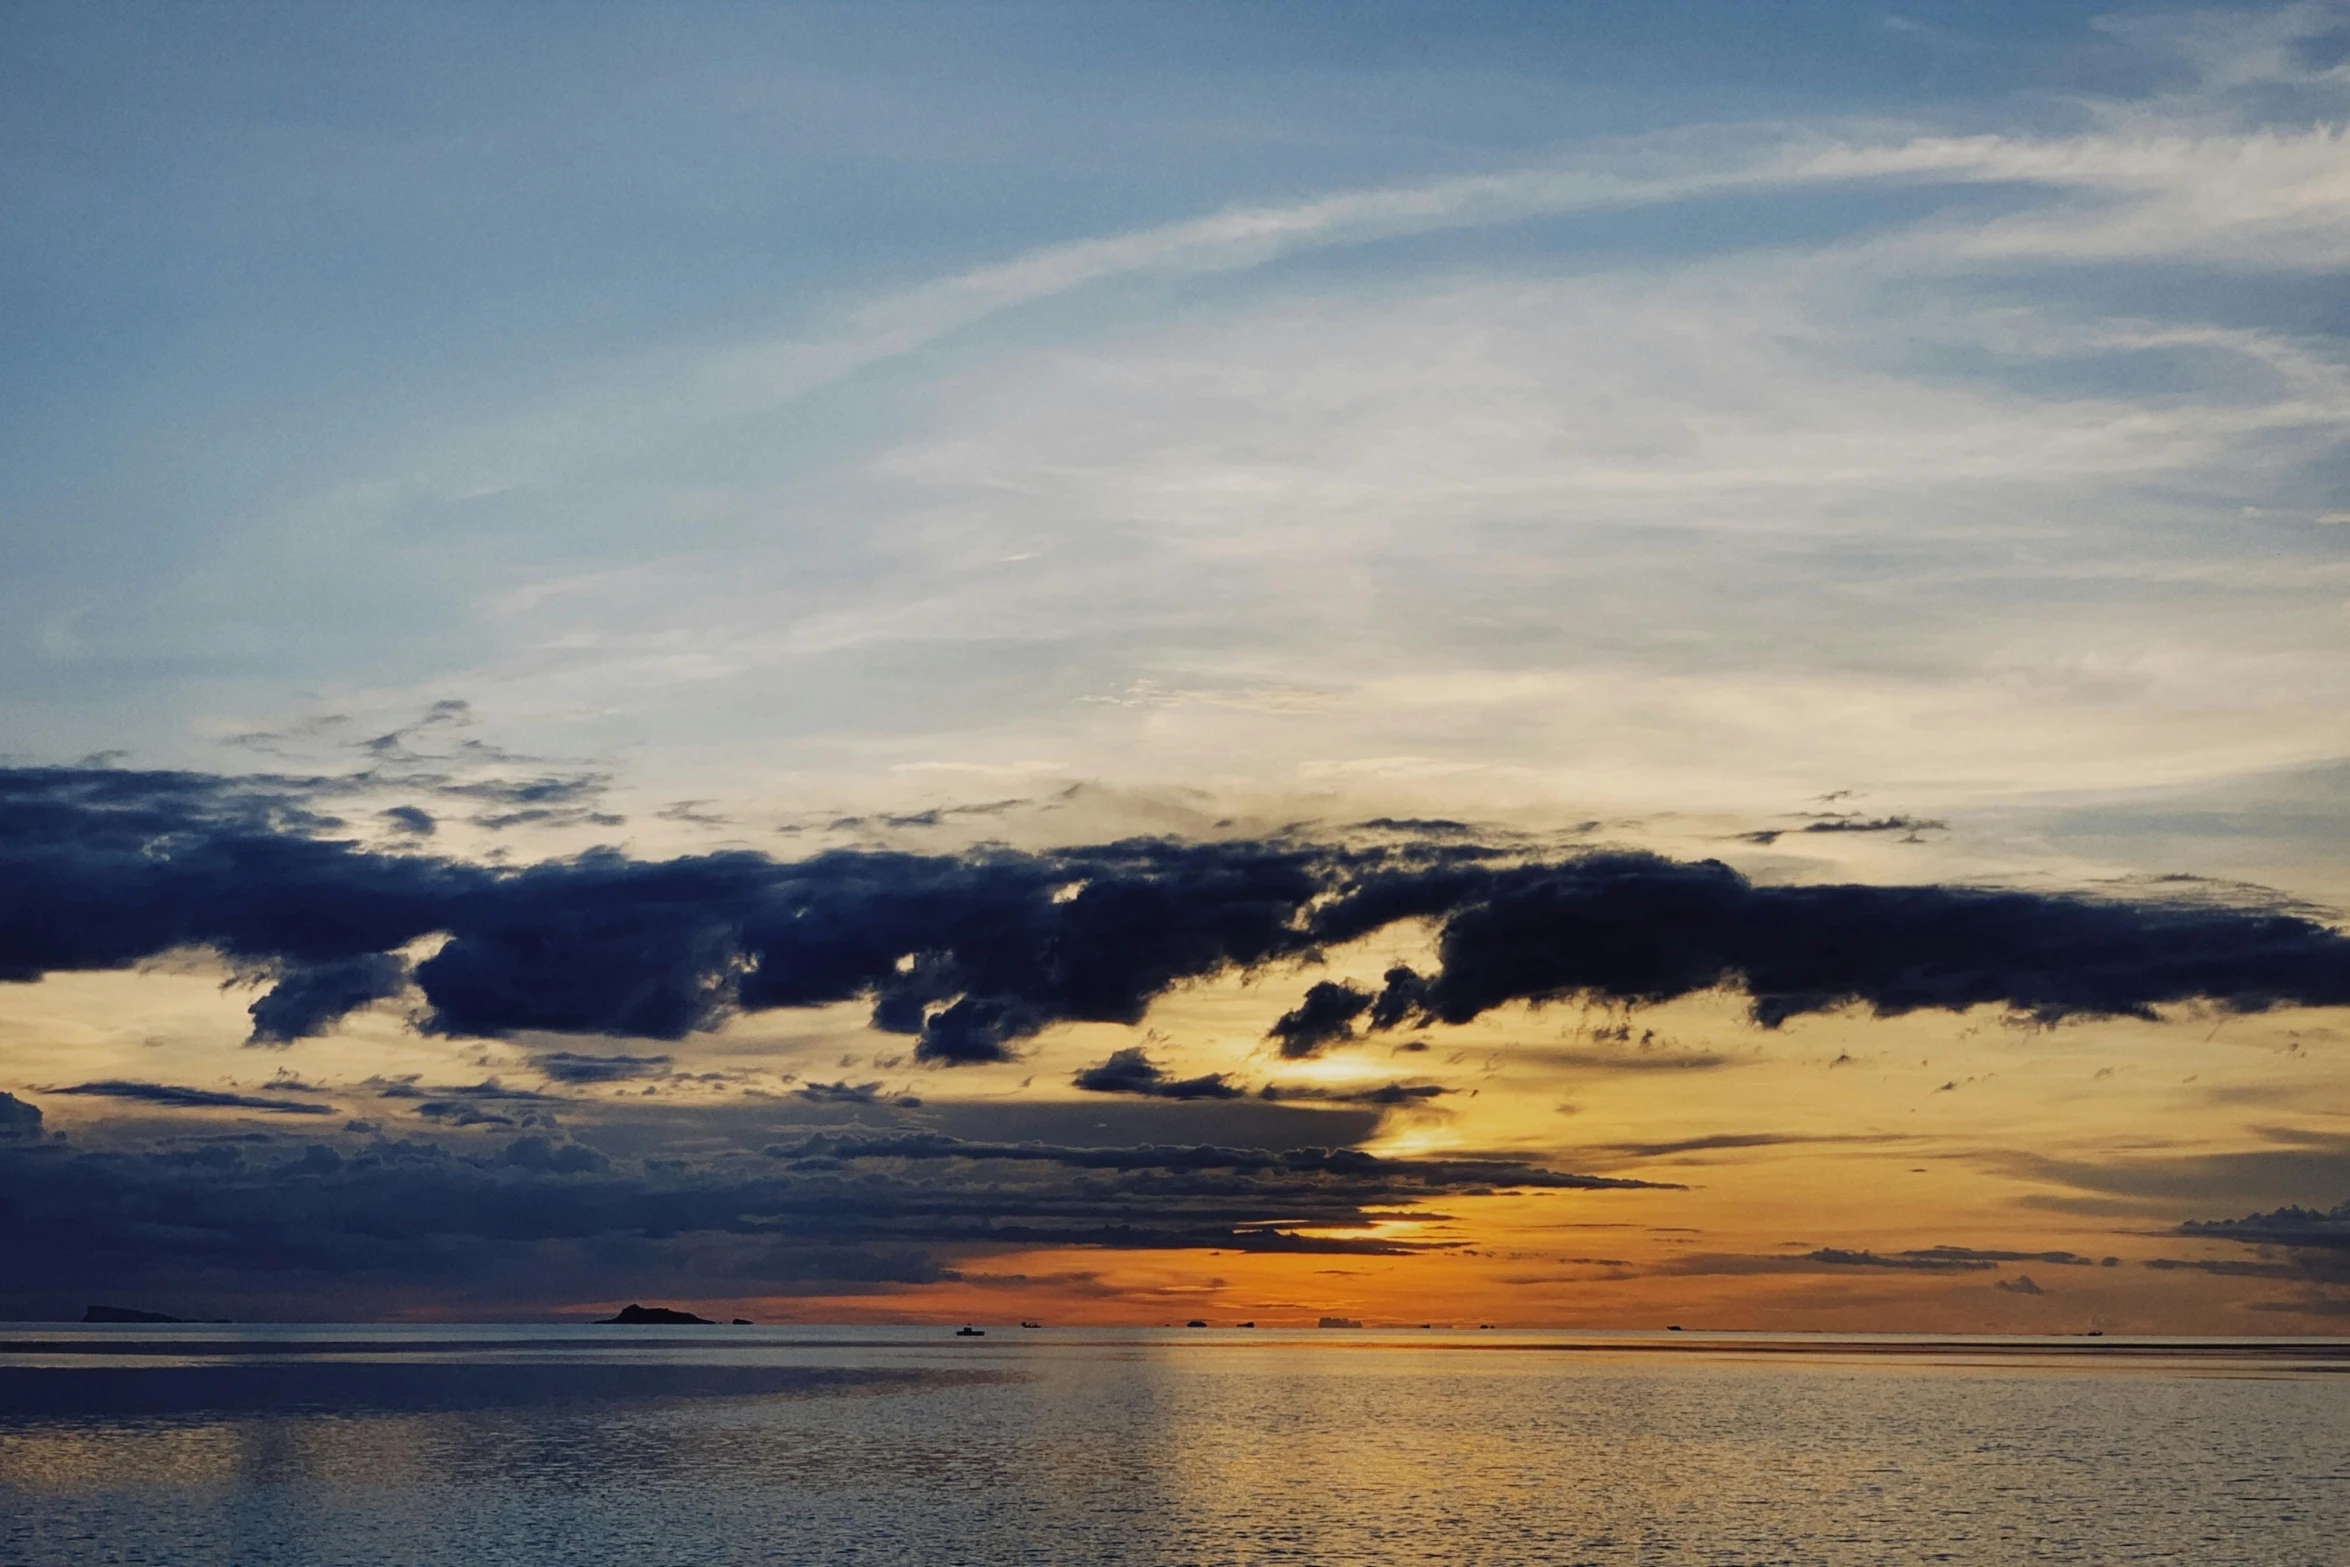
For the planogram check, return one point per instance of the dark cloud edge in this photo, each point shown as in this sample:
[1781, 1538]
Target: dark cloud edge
[2307, 1246]
[531, 1212]
[974, 953]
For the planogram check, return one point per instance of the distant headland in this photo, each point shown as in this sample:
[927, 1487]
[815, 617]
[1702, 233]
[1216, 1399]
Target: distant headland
[634, 1313]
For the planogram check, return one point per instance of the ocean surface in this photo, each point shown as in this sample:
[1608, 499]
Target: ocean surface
[661, 1447]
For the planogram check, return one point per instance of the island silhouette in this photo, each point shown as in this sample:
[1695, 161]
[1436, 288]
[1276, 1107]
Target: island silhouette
[634, 1313]
[126, 1314]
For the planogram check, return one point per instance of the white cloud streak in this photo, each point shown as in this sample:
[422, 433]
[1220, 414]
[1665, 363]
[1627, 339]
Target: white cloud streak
[1911, 500]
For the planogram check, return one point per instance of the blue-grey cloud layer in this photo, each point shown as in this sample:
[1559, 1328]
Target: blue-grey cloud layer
[974, 953]
[254, 1220]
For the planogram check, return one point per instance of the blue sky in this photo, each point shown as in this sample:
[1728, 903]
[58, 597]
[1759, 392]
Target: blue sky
[810, 391]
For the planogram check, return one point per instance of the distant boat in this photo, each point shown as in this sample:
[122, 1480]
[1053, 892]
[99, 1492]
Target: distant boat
[1244, 1324]
[1195, 1323]
[970, 1332]
[1030, 1322]
[1672, 1327]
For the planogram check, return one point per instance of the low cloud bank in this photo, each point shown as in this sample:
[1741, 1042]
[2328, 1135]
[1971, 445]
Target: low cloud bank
[1132, 1071]
[2299, 1227]
[231, 1218]
[2311, 1247]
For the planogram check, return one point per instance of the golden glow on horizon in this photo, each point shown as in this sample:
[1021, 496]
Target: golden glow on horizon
[1840, 1133]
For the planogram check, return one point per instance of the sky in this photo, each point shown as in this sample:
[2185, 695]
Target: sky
[1572, 664]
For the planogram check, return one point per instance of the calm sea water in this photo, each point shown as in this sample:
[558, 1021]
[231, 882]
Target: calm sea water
[661, 1448]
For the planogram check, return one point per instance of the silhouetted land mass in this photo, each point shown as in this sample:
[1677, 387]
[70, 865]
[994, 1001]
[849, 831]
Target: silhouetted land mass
[656, 1314]
[125, 1314]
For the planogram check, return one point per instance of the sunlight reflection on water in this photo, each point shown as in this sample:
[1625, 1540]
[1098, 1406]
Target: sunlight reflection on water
[515, 1446]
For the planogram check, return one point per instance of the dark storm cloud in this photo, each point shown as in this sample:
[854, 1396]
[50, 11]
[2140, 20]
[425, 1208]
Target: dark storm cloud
[1134, 1072]
[556, 800]
[970, 953]
[570, 1066]
[1635, 928]
[1396, 1175]
[855, 1094]
[1825, 1259]
[491, 1089]
[974, 953]
[546, 816]
[2224, 1267]
[465, 1112]
[977, 1029]
[1911, 1261]
[488, 1103]
[2060, 1259]
[935, 816]
[310, 998]
[179, 1098]
[18, 1120]
[1326, 1017]
[1876, 824]
[1900, 824]
[106, 868]
[537, 1153]
[1735, 1140]
[1915, 1259]
[1667, 1060]
[1381, 1094]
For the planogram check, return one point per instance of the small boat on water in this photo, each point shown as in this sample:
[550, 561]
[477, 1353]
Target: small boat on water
[1030, 1323]
[970, 1332]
